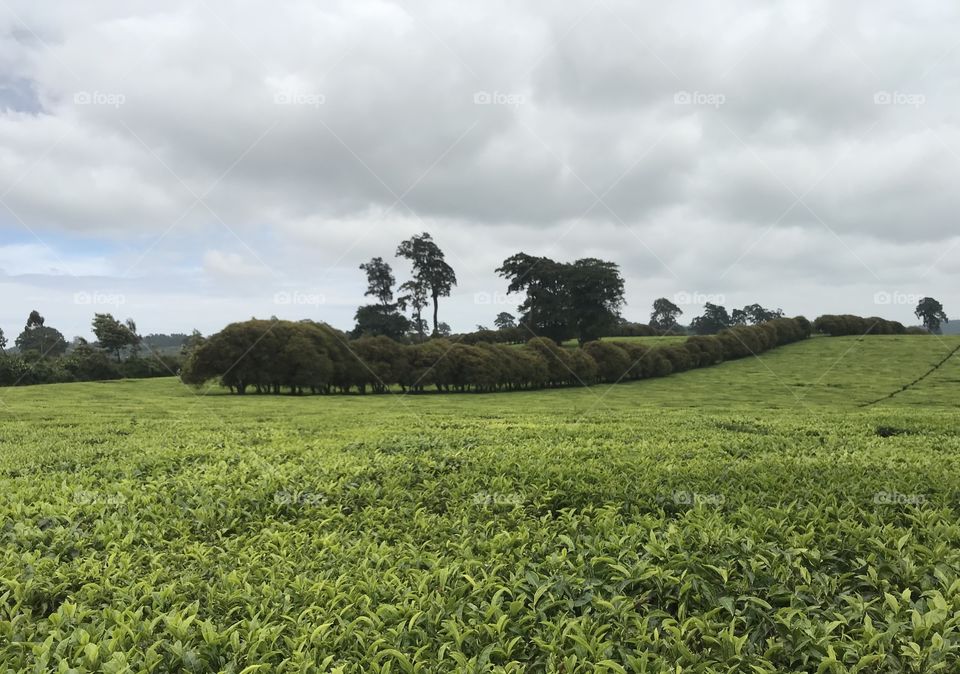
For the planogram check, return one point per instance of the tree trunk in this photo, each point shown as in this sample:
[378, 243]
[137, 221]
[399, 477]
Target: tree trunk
[435, 324]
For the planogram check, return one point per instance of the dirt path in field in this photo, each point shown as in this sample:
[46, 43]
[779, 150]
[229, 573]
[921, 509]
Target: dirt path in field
[915, 381]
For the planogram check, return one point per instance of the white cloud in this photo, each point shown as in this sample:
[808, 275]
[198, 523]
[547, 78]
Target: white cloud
[282, 144]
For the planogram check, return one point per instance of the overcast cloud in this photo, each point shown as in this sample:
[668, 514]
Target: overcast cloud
[193, 163]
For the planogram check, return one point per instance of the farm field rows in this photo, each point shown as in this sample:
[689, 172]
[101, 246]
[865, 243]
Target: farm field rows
[748, 517]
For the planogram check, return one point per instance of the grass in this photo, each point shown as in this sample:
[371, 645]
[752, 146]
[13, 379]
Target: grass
[746, 517]
[647, 341]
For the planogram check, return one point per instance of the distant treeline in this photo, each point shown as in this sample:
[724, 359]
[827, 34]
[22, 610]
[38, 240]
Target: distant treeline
[308, 357]
[845, 324]
[83, 363]
[520, 334]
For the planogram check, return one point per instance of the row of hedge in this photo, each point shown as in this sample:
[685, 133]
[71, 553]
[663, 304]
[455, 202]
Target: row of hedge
[845, 324]
[520, 334]
[82, 364]
[300, 357]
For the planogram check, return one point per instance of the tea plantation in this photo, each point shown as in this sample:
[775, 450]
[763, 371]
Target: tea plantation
[756, 516]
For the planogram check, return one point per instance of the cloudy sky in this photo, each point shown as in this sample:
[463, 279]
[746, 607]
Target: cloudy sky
[193, 163]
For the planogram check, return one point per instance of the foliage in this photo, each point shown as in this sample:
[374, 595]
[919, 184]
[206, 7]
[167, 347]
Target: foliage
[380, 280]
[113, 335]
[665, 314]
[432, 276]
[578, 531]
[276, 356]
[714, 319]
[930, 311]
[846, 324]
[41, 339]
[581, 299]
[380, 320]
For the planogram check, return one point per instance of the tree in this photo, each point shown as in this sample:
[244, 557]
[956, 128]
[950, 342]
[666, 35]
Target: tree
[431, 272]
[3, 342]
[113, 335]
[665, 314]
[443, 330]
[713, 320]
[544, 310]
[595, 290]
[381, 319]
[754, 314]
[415, 299]
[505, 321]
[375, 320]
[380, 280]
[930, 311]
[581, 299]
[40, 338]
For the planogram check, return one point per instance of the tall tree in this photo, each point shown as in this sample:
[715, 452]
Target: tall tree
[113, 335]
[381, 319]
[665, 314]
[40, 338]
[374, 320]
[930, 311]
[714, 319]
[414, 298]
[544, 310]
[380, 280]
[505, 321]
[595, 289]
[3, 342]
[580, 299]
[754, 314]
[430, 269]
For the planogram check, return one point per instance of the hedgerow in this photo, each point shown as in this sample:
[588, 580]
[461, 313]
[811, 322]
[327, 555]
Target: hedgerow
[307, 357]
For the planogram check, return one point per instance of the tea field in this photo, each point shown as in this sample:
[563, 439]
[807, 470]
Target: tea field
[756, 516]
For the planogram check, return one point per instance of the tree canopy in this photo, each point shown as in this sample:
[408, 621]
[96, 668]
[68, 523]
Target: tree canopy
[930, 311]
[581, 299]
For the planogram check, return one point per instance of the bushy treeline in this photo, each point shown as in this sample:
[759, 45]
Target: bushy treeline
[846, 324]
[300, 357]
[84, 363]
[521, 333]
